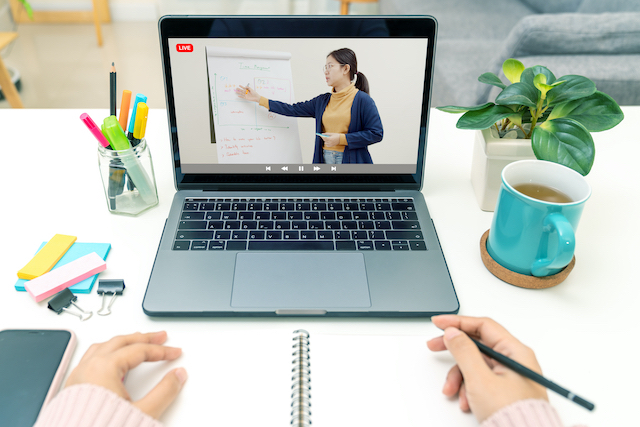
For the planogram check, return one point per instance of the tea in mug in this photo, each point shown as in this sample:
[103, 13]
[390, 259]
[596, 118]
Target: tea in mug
[542, 192]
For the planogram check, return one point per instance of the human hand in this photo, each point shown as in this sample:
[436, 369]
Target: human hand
[331, 139]
[483, 385]
[106, 364]
[246, 92]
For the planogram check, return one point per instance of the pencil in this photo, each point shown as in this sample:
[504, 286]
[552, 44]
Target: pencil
[247, 91]
[528, 373]
[112, 90]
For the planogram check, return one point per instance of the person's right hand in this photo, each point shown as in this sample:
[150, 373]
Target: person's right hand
[246, 92]
[483, 385]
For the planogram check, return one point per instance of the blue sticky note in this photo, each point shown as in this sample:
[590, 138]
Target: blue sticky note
[77, 250]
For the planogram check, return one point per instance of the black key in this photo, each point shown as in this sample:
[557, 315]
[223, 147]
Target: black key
[199, 245]
[264, 216]
[367, 206]
[190, 206]
[325, 235]
[194, 235]
[377, 216]
[326, 216]
[417, 245]
[192, 225]
[360, 235]
[186, 216]
[303, 206]
[403, 206]
[239, 235]
[223, 235]
[383, 245]
[393, 216]
[265, 225]
[283, 225]
[333, 225]
[215, 225]
[238, 206]
[294, 216]
[256, 235]
[316, 225]
[359, 215]
[270, 206]
[299, 225]
[405, 225]
[292, 235]
[289, 245]
[249, 225]
[383, 206]
[345, 245]
[365, 245]
[254, 206]
[383, 225]
[365, 225]
[216, 245]
[342, 235]
[335, 206]
[213, 215]
[278, 216]
[351, 207]
[376, 235]
[317, 206]
[229, 215]
[308, 235]
[409, 216]
[349, 225]
[232, 225]
[181, 245]
[404, 235]
[311, 215]
[245, 215]
[274, 235]
[239, 245]
[223, 206]
[399, 246]
[206, 206]
[286, 206]
[344, 216]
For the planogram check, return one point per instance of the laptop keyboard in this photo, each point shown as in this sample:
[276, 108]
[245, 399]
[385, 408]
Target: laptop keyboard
[299, 224]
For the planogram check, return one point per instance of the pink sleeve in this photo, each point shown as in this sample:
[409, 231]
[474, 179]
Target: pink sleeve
[525, 413]
[91, 405]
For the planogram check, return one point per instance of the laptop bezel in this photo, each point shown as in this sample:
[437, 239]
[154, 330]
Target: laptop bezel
[186, 26]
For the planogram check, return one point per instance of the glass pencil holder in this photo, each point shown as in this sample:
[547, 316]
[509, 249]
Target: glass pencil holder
[128, 179]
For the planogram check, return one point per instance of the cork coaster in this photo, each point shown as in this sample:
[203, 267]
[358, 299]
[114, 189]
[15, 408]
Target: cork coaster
[517, 279]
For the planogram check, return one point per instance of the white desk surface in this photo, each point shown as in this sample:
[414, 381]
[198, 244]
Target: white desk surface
[583, 331]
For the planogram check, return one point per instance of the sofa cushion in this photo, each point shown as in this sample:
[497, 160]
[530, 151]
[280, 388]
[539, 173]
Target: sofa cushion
[555, 6]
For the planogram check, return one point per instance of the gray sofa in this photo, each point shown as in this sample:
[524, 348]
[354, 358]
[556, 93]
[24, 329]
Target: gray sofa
[599, 39]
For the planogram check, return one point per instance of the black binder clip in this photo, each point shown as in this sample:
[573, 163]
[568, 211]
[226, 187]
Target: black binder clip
[63, 300]
[109, 287]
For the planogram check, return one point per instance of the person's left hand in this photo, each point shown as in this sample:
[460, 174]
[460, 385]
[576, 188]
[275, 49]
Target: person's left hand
[331, 139]
[107, 363]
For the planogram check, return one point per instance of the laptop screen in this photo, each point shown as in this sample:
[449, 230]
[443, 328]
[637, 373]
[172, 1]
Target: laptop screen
[298, 99]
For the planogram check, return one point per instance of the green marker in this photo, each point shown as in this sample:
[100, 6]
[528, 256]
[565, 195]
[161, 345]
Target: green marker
[112, 130]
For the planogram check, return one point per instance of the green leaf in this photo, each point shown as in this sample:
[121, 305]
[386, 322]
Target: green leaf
[512, 69]
[564, 141]
[519, 94]
[485, 118]
[491, 79]
[596, 113]
[530, 73]
[574, 87]
[457, 110]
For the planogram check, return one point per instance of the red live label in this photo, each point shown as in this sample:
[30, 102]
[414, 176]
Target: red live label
[184, 47]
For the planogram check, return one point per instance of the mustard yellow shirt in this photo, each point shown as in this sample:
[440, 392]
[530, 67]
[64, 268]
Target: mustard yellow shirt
[337, 115]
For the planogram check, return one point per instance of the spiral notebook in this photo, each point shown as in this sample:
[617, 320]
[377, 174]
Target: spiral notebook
[279, 378]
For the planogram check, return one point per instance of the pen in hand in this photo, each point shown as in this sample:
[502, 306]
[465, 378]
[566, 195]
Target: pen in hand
[534, 376]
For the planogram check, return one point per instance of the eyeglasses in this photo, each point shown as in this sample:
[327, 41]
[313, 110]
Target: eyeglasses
[327, 67]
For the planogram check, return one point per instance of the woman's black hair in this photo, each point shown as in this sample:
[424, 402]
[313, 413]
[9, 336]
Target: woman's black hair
[346, 56]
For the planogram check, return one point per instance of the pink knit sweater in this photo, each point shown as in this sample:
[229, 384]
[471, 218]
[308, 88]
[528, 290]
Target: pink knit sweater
[88, 405]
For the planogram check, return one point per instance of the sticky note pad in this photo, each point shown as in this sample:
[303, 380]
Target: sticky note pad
[62, 277]
[47, 257]
[77, 250]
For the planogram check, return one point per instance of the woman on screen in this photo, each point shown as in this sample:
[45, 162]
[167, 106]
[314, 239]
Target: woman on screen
[347, 120]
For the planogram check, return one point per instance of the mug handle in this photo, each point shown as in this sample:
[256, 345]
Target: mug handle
[566, 245]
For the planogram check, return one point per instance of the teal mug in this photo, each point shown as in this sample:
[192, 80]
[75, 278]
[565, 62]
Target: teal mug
[537, 213]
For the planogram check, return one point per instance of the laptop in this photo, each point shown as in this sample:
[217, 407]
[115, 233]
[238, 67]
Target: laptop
[266, 221]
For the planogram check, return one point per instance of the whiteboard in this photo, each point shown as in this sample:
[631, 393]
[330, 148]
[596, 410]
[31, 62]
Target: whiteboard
[245, 132]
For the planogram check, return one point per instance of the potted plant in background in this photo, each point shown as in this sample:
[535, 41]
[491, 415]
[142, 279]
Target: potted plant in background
[535, 116]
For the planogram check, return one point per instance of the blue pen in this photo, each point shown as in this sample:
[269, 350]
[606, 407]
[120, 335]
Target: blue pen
[139, 98]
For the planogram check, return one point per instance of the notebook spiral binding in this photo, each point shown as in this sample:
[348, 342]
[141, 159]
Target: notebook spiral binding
[301, 379]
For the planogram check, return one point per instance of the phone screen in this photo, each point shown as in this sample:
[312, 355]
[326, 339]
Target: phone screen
[29, 360]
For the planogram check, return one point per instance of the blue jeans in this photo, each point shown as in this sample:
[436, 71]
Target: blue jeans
[332, 157]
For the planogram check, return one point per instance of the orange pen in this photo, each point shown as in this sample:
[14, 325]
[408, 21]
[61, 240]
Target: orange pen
[124, 108]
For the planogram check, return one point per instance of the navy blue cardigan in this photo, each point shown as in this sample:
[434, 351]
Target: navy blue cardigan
[365, 127]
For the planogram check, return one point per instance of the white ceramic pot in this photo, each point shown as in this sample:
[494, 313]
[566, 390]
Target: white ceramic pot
[490, 156]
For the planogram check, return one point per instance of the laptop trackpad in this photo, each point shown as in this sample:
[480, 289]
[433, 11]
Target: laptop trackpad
[300, 280]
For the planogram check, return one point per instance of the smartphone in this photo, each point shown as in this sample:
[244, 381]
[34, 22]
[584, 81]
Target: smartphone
[32, 366]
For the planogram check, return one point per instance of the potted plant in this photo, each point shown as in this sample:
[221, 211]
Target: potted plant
[535, 116]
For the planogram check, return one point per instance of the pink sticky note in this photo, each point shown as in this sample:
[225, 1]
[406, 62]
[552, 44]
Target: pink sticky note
[64, 276]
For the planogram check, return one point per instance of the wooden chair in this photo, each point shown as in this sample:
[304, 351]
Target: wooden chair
[8, 88]
[344, 5]
[100, 13]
